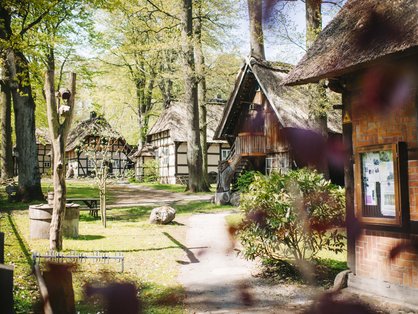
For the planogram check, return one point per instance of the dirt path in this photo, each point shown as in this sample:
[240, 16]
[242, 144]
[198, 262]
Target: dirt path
[217, 281]
[136, 195]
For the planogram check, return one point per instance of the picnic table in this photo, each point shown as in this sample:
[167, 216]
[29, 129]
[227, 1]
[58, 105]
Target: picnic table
[91, 203]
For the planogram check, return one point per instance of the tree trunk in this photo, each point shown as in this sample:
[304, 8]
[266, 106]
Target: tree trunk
[58, 213]
[320, 100]
[140, 92]
[104, 196]
[6, 123]
[201, 88]
[255, 13]
[5, 98]
[194, 150]
[313, 21]
[147, 106]
[24, 110]
[58, 132]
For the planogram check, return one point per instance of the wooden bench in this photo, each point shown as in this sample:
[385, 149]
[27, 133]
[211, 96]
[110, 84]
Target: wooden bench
[91, 203]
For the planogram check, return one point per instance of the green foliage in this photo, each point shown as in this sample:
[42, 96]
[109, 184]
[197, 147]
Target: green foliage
[150, 171]
[292, 216]
[130, 175]
[244, 181]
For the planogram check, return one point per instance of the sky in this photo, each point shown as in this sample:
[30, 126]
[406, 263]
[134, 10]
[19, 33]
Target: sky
[278, 48]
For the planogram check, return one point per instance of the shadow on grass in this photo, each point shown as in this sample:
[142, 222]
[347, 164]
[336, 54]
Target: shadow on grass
[88, 218]
[324, 270]
[192, 258]
[155, 297]
[87, 237]
[22, 243]
[134, 250]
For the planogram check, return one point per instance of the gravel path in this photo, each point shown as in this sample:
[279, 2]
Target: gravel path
[217, 281]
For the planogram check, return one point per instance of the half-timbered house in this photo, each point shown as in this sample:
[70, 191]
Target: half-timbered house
[167, 143]
[87, 143]
[43, 144]
[270, 127]
[369, 54]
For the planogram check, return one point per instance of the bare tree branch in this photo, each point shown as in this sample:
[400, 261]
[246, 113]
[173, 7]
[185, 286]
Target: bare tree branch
[161, 10]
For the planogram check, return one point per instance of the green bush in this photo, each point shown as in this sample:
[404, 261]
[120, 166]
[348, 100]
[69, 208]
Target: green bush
[150, 171]
[292, 216]
[244, 181]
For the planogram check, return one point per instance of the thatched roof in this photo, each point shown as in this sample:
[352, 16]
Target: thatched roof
[173, 119]
[291, 104]
[95, 126]
[363, 32]
[42, 136]
[145, 151]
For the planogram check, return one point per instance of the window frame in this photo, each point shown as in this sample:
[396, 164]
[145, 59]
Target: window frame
[225, 153]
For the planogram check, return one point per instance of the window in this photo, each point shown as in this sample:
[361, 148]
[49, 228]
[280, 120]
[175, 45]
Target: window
[224, 153]
[380, 186]
[270, 164]
[279, 162]
[47, 164]
[90, 163]
[116, 163]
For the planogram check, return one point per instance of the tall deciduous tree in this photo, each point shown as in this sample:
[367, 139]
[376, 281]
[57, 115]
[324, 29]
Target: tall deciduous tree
[194, 149]
[19, 17]
[5, 100]
[319, 100]
[201, 87]
[255, 13]
[6, 163]
[58, 131]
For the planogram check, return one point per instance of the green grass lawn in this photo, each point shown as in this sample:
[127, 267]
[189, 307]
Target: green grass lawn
[153, 254]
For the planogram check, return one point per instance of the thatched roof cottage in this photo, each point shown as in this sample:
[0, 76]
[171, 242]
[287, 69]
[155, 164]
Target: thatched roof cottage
[87, 143]
[167, 143]
[268, 126]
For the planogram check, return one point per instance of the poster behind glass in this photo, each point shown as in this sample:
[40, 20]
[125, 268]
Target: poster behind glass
[378, 182]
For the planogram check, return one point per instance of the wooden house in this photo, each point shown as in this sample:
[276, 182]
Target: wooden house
[269, 127]
[369, 54]
[87, 143]
[167, 143]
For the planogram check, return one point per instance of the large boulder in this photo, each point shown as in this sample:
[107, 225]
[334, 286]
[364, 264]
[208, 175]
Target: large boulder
[162, 215]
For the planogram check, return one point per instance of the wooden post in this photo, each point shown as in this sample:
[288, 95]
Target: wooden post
[349, 182]
[6, 288]
[59, 282]
[43, 290]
